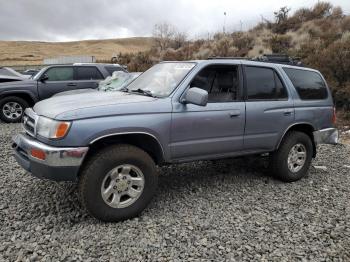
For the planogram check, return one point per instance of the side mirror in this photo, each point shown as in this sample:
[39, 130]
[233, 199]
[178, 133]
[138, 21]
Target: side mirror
[196, 96]
[44, 78]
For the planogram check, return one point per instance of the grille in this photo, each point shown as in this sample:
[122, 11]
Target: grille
[29, 121]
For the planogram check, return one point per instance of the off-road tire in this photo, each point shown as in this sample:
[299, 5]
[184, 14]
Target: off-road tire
[279, 159]
[23, 103]
[95, 170]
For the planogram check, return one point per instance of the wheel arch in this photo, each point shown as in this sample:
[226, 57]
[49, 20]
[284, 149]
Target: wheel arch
[304, 127]
[147, 142]
[21, 94]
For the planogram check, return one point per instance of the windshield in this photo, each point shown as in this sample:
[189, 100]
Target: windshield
[37, 75]
[161, 79]
[117, 81]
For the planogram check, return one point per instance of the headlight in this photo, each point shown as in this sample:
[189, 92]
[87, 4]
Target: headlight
[50, 128]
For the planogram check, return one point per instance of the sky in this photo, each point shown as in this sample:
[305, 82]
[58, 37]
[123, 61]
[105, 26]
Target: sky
[70, 20]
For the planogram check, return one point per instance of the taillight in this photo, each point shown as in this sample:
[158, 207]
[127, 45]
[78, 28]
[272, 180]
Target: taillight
[334, 117]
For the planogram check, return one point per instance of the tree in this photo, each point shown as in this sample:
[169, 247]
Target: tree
[281, 15]
[179, 40]
[163, 34]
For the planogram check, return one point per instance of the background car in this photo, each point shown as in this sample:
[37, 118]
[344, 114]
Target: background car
[9, 75]
[30, 72]
[17, 95]
[117, 81]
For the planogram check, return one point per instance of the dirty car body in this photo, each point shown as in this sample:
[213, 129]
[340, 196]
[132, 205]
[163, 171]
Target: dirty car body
[240, 113]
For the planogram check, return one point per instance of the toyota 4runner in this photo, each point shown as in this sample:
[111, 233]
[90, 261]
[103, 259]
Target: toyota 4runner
[176, 112]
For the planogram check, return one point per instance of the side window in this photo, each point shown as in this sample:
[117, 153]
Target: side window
[264, 84]
[221, 82]
[111, 69]
[309, 84]
[88, 73]
[60, 74]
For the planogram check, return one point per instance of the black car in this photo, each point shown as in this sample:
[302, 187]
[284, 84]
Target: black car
[18, 95]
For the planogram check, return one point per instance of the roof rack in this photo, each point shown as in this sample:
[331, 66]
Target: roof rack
[228, 57]
[267, 58]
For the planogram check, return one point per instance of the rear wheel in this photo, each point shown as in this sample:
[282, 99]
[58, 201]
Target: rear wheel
[293, 158]
[12, 109]
[118, 183]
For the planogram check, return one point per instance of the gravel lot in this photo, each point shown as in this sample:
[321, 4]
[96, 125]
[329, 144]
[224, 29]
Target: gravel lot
[227, 210]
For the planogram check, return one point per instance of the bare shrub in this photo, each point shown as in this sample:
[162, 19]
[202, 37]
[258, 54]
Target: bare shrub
[321, 10]
[179, 39]
[280, 43]
[162, 34]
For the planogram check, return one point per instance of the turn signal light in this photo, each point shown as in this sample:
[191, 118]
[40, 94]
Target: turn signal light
[37, 153]
[334, 116]
[61, 129]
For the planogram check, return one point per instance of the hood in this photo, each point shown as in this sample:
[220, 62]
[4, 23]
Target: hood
[97, 104]
[76, 91]
[18, 84]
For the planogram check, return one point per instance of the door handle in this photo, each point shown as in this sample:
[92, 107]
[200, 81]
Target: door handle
[71, 84]
[288, 112]
[235, 113]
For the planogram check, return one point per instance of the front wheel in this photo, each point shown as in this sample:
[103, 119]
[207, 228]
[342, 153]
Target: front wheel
[293, 158]
[118, 183]
[12, 109]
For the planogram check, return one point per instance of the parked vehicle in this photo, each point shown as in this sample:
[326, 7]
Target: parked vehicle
[18, 95]
[30, 72]
[6, 78]
[9, 75]
[117, 81]
[176, 112]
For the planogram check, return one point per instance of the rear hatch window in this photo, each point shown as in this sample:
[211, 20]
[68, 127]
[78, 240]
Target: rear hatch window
[309, 84]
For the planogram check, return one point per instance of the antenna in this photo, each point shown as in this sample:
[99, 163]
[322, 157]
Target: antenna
[224, 22]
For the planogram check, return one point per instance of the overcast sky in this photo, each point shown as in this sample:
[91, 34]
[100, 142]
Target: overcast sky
[66, 20]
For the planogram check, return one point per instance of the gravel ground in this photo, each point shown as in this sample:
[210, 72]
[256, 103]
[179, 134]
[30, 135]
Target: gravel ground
[225, 210]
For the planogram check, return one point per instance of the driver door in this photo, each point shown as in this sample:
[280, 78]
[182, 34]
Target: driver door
[60, 79]
[217, 129]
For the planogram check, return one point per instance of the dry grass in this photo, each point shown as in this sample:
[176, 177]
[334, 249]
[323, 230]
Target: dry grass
[29, 53]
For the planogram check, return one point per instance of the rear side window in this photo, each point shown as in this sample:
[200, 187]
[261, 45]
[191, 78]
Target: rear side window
[309, 84]
[264, 84]
[88, 73]
[60, 74]
[111, 69]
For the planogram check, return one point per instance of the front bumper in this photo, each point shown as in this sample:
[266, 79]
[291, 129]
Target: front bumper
[60, 163]
[326, 136]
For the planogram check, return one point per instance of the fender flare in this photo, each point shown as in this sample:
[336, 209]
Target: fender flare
[131, 133]
[16, 92]
[289, 128]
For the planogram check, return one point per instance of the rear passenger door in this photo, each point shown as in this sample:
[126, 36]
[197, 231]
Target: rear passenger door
[269, 108]
[87, 77]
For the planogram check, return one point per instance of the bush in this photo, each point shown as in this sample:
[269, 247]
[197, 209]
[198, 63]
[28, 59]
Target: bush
[280, 43]
[321, 10]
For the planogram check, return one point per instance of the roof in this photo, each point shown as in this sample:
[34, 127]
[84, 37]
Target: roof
[254, 63]
[244, 61]
[102, 64]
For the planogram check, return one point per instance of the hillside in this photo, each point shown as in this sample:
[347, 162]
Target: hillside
[30, 53]
[319, 36]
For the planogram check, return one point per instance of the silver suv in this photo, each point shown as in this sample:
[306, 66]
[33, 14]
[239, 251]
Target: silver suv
[176, 112]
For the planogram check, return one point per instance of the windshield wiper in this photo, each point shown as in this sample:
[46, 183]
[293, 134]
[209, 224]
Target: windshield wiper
[141, 91]
[124, 89]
